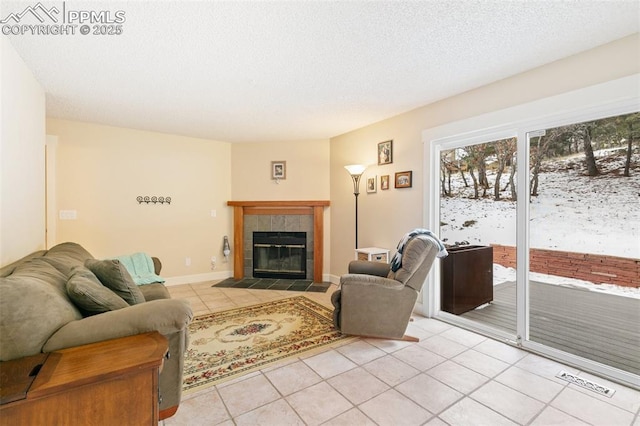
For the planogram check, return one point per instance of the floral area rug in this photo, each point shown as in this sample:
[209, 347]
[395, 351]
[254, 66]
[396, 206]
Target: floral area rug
[227, 344]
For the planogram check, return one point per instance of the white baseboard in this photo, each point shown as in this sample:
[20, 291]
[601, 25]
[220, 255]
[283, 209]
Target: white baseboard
[333, 279]
[197, 278]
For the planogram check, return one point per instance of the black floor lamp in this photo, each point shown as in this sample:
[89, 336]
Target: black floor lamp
[355, 170]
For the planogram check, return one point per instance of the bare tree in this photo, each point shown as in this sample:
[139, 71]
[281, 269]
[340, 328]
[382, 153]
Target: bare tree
[628, 128]
[447, 168]
[476, 160]
[537, 151]
[512, 183]
[585, 129]
[627, 163]
[464, 178]
[443, 175]
[504, 151]
[475, 182]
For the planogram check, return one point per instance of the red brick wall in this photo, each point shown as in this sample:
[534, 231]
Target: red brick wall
[589, 267]
[504, 255]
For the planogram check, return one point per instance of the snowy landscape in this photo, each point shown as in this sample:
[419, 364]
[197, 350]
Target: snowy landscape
[572, 212]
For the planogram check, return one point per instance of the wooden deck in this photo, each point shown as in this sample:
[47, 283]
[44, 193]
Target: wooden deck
[597, 326]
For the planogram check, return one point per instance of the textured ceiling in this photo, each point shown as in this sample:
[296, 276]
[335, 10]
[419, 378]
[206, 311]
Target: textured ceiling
[242, 71]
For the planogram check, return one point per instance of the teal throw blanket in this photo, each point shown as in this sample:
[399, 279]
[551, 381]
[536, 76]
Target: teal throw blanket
[140, 267]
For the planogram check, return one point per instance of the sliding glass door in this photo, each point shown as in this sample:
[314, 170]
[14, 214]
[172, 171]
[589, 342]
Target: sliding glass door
[555, 203]
[584, 240]
[477, 222]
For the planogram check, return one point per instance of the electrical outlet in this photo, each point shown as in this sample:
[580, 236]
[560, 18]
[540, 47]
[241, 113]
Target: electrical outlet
[187, 261]
[213, 263]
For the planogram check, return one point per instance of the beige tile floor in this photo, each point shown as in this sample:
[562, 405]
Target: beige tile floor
[452, 376]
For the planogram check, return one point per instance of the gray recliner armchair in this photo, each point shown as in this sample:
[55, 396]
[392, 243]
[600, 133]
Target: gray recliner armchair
[374, 301]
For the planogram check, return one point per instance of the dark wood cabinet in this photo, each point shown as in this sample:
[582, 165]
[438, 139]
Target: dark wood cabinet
[466, 278]
[107, 383]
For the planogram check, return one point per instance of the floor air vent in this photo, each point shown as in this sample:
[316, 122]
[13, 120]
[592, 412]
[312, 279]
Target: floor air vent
[587, 384]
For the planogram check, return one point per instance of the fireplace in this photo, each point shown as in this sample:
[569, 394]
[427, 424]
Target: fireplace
[280, 255]
[254, 216]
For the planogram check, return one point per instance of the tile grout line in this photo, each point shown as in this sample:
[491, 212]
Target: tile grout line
[490, 379]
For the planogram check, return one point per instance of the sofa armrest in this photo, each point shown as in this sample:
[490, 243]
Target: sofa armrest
[157, 265]
[167, 316]
[368, 267]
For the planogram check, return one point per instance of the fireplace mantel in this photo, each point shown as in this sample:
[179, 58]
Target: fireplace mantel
[305, 207]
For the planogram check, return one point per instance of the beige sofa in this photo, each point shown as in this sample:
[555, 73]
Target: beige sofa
[50, 300]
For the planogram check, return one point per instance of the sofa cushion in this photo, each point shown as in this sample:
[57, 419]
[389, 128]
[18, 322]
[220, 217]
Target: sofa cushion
[41, 269]
[62, 265]
[70, 252]
[7, 270]
[33, 305]
[115, 276]
[89, 295]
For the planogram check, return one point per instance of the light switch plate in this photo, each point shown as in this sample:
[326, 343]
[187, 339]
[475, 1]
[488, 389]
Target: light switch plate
[68, 214]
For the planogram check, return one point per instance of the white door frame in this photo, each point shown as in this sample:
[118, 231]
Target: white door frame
[51, 151]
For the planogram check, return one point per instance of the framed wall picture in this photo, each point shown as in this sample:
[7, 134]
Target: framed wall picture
[403, 179]
[385, 153]
[384, 182]
[372, 184]
[278, 170]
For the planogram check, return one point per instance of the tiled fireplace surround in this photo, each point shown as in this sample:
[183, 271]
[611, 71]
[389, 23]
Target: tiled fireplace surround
[274, 216]
[276, 223]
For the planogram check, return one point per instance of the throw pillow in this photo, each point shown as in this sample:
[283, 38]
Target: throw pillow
[115, 276]
[89, 295]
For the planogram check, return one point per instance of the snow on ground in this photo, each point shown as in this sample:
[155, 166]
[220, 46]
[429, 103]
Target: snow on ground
[577, 213]
[573, 212]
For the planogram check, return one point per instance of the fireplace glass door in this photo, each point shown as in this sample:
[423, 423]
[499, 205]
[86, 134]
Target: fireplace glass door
[280, 255]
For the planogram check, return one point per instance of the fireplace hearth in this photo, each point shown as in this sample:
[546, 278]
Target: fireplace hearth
[280, 255]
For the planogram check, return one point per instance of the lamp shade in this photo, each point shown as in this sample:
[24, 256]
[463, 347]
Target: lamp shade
[355, 169]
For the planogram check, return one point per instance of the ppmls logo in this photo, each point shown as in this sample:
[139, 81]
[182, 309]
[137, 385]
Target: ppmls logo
[38, 11]
[40, 20]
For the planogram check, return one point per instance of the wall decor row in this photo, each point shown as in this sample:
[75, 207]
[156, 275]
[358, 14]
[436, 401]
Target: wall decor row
[155, 200]
[401, 179]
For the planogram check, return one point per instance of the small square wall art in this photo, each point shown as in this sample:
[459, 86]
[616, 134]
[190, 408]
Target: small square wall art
[403, 179]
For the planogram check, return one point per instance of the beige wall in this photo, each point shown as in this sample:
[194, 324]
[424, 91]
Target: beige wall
[100, 171]
[307, 170]
[307, 175]
[22, 157]
[386, 215]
